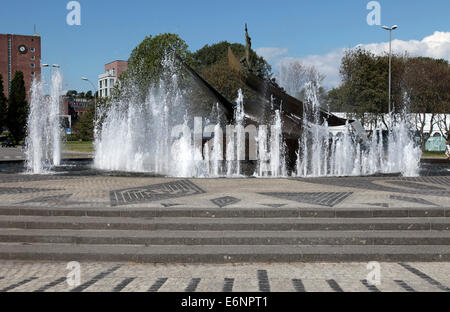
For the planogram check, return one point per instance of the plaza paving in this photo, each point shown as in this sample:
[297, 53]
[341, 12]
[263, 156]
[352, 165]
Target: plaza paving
[11, 153]
[143, 233]
[65, 190]
[16, 276]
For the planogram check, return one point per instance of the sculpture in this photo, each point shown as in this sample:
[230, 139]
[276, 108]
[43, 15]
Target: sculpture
[248, 47]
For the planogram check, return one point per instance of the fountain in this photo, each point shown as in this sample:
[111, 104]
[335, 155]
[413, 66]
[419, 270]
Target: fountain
[323, 154]
[275, 135]
[43, 141]
[154, 136]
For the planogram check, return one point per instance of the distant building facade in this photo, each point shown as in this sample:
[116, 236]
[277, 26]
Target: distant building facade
[437, 139]
[77, 106]
[20, 53]
[109, 78]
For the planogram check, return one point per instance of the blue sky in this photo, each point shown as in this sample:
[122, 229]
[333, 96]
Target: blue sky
[313, 31]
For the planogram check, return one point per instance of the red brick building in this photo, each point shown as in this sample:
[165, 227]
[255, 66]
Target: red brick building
[19, 53]
[107, 80]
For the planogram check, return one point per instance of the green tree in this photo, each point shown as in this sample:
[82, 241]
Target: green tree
[335, 101]
[211, 62]
[17, 108]
[84, 128]
[426, 83]
[364, 88]
[145, 65]
[72, 93]
[214, 54]
[3, 107]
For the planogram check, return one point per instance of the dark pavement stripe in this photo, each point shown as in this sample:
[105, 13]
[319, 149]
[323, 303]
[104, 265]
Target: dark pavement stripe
[425, 277]
[263, 281]
[404, 285]
[51, 284]
[123, 284]
[192, 285]
[334, 285]
[372, 288]
[11, 287]
[158, 284]
[298, 285]
[228, 285]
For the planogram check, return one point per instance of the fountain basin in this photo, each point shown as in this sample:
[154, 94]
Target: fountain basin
[84, 167]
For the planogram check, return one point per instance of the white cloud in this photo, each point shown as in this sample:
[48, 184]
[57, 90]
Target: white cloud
[271, 54]
[436, 45]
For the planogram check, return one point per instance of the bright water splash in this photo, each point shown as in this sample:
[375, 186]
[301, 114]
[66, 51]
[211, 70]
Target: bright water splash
[153, 135]
[150, 135]
[277, 149]
[322, 154]
[403, 154]
[55, 111]
[313, 154]
[271, 150]
[43, 142]
[214, 153]
[235, 152]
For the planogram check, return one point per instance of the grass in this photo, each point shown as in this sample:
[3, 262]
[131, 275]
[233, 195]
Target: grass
[82, 147]
[433, 154]
[88, 147]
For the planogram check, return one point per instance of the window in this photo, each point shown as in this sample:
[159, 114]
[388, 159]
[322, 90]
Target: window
[106, 83]
[101, 93]
[32, 73]
[32, 49]
[100, 84]
[111, 82]
[32, 65]
[33, 57]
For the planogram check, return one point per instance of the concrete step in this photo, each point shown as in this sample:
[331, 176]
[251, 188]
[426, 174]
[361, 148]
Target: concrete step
[227, 224]
[230, 212]
[114, 237]
[222, 254]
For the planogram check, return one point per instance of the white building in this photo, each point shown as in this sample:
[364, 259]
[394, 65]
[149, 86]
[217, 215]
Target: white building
[417, 119]
[109, 78]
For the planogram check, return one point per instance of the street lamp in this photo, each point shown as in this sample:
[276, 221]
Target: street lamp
[95, 97]
[54, 65]
[390, 64]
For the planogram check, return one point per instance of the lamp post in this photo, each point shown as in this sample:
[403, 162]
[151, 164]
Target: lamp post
[95, 97]
[390, 65]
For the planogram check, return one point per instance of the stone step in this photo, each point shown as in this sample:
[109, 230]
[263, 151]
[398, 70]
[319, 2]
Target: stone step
[227, 224]
[114, 237]
[221, 254]
[229, 212]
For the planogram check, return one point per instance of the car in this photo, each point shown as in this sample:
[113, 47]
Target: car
[7, 143]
